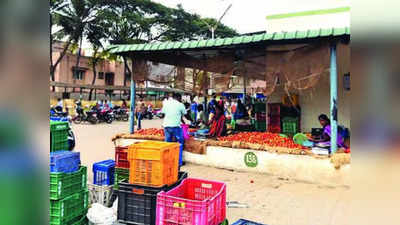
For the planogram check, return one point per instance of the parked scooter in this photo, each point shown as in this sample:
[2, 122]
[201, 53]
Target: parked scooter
[105, 115]
[120, 113]
[90, 116]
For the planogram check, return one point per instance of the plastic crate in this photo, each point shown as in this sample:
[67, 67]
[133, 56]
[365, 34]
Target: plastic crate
[274, 109]
[193, 202]
[121, 157]
[67, 209]
[64, 161]
[290, 126]
[274, 120]
[261, 116]
[82, 221]
[121, 175]
[246, 222]
[260, 107]
[100, 194]
[65, 184]
[103, 172]
[153, 163]
[58, 135]
[137, 204]
[260, 125]
[274, 129]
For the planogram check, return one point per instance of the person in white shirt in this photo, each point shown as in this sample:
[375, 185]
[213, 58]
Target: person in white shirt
[174, 110]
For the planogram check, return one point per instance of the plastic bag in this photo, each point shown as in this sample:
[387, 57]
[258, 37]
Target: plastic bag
[101, 215]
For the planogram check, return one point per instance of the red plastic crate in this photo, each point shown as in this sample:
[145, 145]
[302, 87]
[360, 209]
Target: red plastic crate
[274, 109]
[274, 129]
[274, 120]
[193, 202]
[121, 157]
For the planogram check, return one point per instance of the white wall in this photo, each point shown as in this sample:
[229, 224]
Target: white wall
[302, 23]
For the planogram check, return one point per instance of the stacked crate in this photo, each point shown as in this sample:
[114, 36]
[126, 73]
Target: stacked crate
[260, 123]
[101, 190]
[68, 190]
[121, 166]
[274, 117]
[58, 135]
[152, 167]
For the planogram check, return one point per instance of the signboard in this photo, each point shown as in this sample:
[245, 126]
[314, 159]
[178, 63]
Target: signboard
[250, 159]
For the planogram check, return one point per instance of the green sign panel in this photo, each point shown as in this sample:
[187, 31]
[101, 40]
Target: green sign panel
[250, 159]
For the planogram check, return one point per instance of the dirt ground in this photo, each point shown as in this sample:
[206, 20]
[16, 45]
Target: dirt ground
[271, 200]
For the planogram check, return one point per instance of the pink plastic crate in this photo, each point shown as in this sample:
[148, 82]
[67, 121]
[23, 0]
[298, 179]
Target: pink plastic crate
[193, 202]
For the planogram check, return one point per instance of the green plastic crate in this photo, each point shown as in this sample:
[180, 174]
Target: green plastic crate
[290, 126]
[260, 107]
[260, 125]
[82, 221]
[121, 174]
[65, 184]
[59, 135]
[67, 209]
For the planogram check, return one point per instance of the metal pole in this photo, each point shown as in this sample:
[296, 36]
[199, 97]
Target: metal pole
[244, 89]
[334, 111]
[132, 113]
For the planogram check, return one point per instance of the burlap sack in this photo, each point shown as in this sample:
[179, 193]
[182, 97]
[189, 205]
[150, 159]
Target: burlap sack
[196, 147]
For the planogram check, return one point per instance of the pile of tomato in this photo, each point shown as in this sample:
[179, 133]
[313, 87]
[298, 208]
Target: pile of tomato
[151, 131]
[264, 138]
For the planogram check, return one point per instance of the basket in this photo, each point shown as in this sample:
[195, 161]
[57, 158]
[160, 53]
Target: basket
[64, 161]
[64, 184]
[193, 202]
[121, 157]
[137, 204]
[58, 135]
[100, 194]
[103, 172]
[67, 209]
[121, 174]
[153, 163]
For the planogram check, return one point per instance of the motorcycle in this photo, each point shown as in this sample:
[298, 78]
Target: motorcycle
[159, 114]
[105, 115]
[120, 113]
[56, 114]
[90, 116]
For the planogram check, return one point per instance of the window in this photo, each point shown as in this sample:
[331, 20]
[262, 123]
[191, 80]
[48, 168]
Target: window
[101, 75]
[79, 74]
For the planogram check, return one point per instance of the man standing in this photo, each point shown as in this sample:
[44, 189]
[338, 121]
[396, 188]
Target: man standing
[174, 110]
[140, 112]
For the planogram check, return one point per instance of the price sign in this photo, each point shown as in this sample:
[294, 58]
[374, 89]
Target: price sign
[250, 159]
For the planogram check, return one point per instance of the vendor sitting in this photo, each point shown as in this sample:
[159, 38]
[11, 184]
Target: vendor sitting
[325, 138]
[201, 120]
[217, 123]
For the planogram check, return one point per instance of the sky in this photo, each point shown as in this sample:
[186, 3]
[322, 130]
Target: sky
[247, 16]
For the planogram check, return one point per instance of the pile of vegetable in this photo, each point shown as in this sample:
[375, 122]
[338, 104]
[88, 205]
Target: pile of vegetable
[262, 138]
[151, 132]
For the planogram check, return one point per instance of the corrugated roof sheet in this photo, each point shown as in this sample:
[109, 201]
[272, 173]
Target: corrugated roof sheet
[230, 41]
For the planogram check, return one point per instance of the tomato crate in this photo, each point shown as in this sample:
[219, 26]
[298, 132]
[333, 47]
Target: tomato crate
[64, 210]
[121, 175]
[153, 163]
[290, 126]
[137, 204]
[58, 135]
[103, 172]
[121, 157]
[193, 202]
[65, 184]
[64, 161]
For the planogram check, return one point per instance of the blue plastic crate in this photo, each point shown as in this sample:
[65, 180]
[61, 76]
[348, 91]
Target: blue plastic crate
[65, 161]
[246, 222]
[103, 172]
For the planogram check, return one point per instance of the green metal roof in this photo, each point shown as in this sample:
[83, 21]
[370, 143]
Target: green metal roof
[227, 42]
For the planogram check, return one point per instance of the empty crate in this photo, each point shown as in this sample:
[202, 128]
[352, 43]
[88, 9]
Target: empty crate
[137, 204]
[103, 172]
[100, 194]
[66, 210]
[64, 161]
[58, 135]
[153, 163]
[121, 175]
[121, 157]
[193, 202]
[65, 184]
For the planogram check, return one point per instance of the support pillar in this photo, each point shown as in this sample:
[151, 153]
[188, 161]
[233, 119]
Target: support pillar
[133, 95]
[333, 105]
